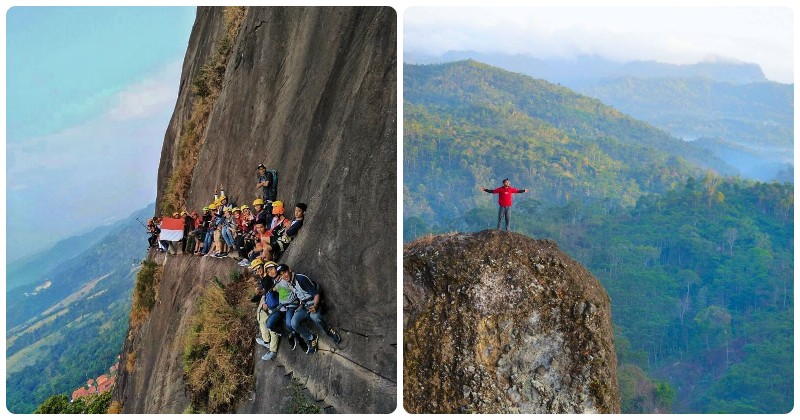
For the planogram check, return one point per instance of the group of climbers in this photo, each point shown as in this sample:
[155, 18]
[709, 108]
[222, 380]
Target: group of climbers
[285, 300]
[226, 230]
[256, 237]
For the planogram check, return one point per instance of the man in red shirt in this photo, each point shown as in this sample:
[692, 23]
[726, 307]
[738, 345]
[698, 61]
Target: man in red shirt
[504, 199]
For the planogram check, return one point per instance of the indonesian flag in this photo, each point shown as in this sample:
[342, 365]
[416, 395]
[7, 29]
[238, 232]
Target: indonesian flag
[171, 229]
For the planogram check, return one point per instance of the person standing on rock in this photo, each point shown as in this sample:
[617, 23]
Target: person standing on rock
[188, 227]
[504, 199]
[152, 226]
[266, 181]
[200, 231]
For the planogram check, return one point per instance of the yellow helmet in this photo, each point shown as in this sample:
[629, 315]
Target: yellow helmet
[256, 262]
[213, 206]
[269, 264]
[258, 202]
[235, 209]
[245, 206]
[277, 203]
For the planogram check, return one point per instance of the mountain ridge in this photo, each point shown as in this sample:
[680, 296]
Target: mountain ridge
[469, 125]
[584, 69]
[719, 98]
[60, 336]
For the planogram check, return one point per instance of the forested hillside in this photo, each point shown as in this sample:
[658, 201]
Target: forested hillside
[585, 70]
[699, 267]
[61, 335]
[752, 124]
[468, 125]
[750, 118]
[701, 285]
[755, 113]
[31, 269]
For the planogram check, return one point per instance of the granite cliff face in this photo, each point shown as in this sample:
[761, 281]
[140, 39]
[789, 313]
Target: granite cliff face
[310, 92]
[496, 322]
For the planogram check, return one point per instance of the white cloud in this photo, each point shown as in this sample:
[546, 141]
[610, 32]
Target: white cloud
[17, 186]
[137, 108]
[678, 35]
[147, 97]
[103, 168]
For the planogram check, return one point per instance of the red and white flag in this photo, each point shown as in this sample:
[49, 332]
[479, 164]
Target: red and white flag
[171, 229]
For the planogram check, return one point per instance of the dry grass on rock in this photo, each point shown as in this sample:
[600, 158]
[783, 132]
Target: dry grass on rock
[217, 358]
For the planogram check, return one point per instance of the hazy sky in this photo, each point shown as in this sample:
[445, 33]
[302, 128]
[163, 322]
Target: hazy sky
[89, 93]
[677, 35]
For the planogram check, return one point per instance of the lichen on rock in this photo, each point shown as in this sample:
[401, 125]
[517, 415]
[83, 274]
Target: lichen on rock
[496, 322]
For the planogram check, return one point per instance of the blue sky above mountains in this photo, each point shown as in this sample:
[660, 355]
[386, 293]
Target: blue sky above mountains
[90, 90]
[89, 93]
[675, 35]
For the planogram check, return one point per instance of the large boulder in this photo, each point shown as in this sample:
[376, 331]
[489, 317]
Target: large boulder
[496, 322]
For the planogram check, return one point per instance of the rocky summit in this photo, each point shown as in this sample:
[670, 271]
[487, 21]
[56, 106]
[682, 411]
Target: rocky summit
[496, 322]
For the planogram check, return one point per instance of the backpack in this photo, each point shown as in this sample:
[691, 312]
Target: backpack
[271, 299]
[272, 189]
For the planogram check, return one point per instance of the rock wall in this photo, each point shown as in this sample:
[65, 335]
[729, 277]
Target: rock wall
[496, 322]
[310, 92]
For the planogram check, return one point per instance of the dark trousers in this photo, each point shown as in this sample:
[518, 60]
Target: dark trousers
[275, 318]
[504, 212]
[185, 241]
[244, 246]
[303, 314]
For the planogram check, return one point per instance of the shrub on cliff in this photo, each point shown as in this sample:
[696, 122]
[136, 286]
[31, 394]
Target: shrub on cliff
[145, 292]
[207, 84]
[90, 404]
[217, 356]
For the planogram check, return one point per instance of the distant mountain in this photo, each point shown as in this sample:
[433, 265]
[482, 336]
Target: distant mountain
[761, 163]
[31, 269]
[468, 124]
[694, 108]
[68, 325]
[756, 116]
[715, 99]
[586, 70]
[734, 72]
